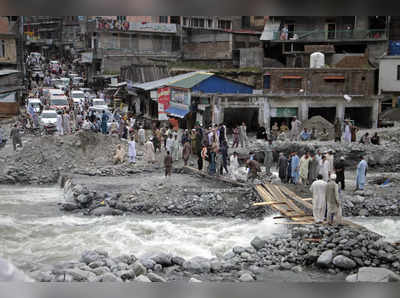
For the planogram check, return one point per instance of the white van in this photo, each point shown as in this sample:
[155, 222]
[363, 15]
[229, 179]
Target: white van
[34, 103]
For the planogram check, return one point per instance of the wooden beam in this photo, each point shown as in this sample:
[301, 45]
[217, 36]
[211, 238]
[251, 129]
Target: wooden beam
[296, 197]
[219, 178]
[268, 203]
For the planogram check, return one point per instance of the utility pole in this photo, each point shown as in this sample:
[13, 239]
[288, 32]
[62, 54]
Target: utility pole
[20, 47]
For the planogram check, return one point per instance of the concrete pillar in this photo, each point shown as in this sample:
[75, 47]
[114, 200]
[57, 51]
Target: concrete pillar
[340, 111]
[303, 112]
[375, 113]
[264, 118]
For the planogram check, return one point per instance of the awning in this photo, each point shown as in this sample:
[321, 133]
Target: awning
[334, 78]
[292, 77]
[176, 112]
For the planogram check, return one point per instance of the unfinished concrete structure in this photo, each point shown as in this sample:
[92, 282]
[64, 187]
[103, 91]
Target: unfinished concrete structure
[306, 92]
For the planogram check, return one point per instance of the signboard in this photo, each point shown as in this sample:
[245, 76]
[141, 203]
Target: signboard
[164, 97]
[180, 99]
[7, 97]
[86, 57]
[283, 112]
[153, 27]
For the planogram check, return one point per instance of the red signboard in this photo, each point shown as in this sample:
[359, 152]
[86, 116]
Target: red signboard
[164, 97]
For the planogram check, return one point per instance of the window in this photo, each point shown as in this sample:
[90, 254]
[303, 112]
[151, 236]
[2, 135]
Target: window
[398, 72]
[292, 84]
[330, 31]
[195, 22]
[185, 22]
[201, 23]
[209, 23]
[245, 22]
[121, 18]
[163, 19]
[267, 81]
[224, 24]
[2, 48]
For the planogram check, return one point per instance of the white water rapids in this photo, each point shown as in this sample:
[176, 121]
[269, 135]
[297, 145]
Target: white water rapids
[32, 229]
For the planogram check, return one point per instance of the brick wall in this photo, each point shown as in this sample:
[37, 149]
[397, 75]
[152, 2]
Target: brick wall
[4, 25]
[323, 81]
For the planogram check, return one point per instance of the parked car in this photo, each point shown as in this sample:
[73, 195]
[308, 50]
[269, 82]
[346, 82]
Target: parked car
[77, 96]
[59, 103]
[99, 105]
[78, 82]
[48, 117]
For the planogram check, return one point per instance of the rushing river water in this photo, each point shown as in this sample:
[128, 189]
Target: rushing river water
[32, 229]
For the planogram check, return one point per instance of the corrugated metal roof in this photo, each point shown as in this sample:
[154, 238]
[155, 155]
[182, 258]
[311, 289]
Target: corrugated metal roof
[163, 82]
[4, 72]
[191, 81]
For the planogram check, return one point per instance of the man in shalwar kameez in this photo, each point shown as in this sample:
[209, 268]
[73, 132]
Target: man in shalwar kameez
[318, 189]
[295, 168]
[361, 173]
[132, 150]
[304, 165]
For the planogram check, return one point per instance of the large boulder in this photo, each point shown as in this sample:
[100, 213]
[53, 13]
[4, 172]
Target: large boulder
[197, 265]
[156, 278]
[246, 277]
[163, 259]
[325, 259]
[343, 262]
[372, 274]
[138, 268]
[142, 278]
[258, 243]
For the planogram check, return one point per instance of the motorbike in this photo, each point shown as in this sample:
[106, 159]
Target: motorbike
[49, 129]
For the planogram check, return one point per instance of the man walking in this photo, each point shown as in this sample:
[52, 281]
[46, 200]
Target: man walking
[332, 199]
[295, 131]
[361, 174]
[318, 189]
[268, 157]
[313, 169]
[187, 149]
[141, 135]
[303, 166]
[282, 167]
[339, 169]
[295, 168]
[16, 137]
[168, 165]
[243, 135]
[104, 119]
[132, 150]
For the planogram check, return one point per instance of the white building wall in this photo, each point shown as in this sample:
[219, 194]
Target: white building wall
[388, 74]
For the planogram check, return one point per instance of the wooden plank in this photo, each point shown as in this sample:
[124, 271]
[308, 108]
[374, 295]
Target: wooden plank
[294, 223]
[296, 197]
[290, 203]
[268, 203]
[293, 216]
[273, 189]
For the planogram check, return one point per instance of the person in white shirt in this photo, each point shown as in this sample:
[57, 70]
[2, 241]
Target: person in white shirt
[132, 150]
[318, 189]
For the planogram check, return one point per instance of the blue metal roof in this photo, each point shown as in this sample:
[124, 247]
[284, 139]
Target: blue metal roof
[176, 112]
[163, 82]
[216, 84]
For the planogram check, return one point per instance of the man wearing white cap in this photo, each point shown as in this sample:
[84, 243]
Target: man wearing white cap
[332, 199]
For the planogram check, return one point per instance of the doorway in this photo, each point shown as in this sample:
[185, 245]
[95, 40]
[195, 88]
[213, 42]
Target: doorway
[235, 116]
[360, 115]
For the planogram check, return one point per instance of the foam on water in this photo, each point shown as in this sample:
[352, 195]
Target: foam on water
[387, 227]
[35, 231]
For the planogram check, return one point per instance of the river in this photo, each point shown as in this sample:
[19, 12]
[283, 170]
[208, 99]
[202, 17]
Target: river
[33, 230]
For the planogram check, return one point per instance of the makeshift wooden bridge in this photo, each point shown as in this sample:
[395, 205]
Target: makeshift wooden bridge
[293, 208]
[283, 200]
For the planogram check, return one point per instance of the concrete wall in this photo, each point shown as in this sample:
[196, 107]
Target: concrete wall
[356, 81]
[199, 44]
[388, 81]
[252, 57]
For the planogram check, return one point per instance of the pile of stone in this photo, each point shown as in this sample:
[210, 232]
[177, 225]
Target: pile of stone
[369, 203]
[333, 250]
[161, 199]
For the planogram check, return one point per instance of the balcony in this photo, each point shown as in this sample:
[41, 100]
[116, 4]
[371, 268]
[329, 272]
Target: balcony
[330, 36]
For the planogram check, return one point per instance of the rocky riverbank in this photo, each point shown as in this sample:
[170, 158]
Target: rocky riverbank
[183, 195]
[335, 251]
